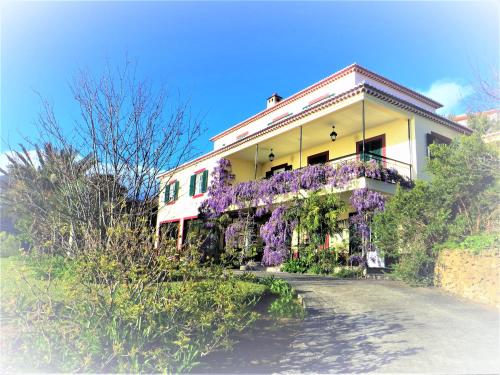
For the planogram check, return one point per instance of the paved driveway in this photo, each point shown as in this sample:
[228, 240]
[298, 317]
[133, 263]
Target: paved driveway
[359, 326]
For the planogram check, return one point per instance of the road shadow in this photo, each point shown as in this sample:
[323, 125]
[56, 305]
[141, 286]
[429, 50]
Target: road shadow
[324, 342]
[347, 343]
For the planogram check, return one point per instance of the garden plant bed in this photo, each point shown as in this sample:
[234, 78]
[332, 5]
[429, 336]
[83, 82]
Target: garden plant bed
[274, 301]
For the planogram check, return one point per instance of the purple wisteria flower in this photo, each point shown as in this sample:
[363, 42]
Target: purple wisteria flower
[366, 203]
[262, 194]
[275, 233]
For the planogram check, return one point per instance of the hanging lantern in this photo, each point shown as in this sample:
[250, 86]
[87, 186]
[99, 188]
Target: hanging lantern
[333, 134]
[271, 156]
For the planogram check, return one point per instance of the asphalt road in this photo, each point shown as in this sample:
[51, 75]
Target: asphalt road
[373, 326]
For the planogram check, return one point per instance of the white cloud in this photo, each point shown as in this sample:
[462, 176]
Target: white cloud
[450, 94]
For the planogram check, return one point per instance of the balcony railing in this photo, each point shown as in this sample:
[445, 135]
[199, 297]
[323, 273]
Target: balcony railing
[404, 169]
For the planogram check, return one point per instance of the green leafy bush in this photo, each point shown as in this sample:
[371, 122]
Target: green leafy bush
[480, 242]
[296, 265]
[315, 269]
[349, 272]
[132, 308]
[277, 286]
[475, 243]
[50, 266]
[457, 205]
[415, 268]
[9, 245]
[286, 305]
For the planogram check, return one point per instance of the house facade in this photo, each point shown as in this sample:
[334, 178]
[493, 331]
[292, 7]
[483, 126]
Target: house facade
[352, 113]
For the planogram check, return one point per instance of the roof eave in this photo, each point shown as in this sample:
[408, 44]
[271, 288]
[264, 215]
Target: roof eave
[362, 88]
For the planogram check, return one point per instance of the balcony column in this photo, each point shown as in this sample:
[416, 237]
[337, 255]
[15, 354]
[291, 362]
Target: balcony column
[409, 146]
[300, 146]
[255, 161]
[296, 254]
[364, 131]
[364, 240]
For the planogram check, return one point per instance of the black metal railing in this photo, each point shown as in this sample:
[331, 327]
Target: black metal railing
[404, 169]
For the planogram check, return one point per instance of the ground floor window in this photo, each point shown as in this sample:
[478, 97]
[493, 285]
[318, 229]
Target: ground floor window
[208, 240]
[169, 231]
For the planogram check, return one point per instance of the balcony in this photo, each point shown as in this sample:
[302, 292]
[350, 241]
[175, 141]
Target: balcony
[402, 168]
[366, 131]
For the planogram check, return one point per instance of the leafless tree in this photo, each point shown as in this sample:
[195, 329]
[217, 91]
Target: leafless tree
[486, 89]
[128, 132]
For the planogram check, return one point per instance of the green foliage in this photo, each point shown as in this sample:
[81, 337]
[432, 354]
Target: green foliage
[348, 272]
[415, 268]
[318, 262]
[45, 267]
[318, 215]
[286, 305]
[475, 243]
[481, 124]
[277, 286]
[327, 261]
[132, 308]
[459, 201]
[412, 219]
[315, 269]
[295, 265]
[465, 174]
[480, 242]
[9, 245]
[41, 196]
[314, 260]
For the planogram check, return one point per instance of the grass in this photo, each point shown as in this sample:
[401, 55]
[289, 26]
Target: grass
[16, 274]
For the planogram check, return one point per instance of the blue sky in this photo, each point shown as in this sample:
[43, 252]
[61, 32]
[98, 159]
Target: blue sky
[229, 57]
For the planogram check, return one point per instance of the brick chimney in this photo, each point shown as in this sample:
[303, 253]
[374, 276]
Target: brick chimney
[273, 100]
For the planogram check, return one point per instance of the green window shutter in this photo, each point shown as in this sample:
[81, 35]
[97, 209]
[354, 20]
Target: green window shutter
[167, 193]
[204, 181]
[176, 190]
[192, 185]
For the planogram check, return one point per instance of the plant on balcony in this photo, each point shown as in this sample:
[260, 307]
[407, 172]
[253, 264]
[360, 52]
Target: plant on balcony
[253, 199]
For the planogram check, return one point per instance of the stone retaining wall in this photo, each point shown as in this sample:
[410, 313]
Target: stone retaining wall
[471, 276]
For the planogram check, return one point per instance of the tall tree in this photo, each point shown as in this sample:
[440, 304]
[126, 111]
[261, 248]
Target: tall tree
[131, 131]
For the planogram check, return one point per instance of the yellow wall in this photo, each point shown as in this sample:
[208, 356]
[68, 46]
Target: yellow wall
[396, 138]
[244, 170]
[423, 126]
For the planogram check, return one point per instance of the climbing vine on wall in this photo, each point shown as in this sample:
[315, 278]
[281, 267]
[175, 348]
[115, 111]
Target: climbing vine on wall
[254, 199]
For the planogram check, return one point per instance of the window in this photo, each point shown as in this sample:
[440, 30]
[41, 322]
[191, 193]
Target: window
[320, 158]
[191, 231]
[374, 148]
[169, 231]
[198, 183]
[435, 138]
[278, 169]
[171, 191]
[207, 240]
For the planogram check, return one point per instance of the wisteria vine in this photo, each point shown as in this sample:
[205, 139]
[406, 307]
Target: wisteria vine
[258, 198]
